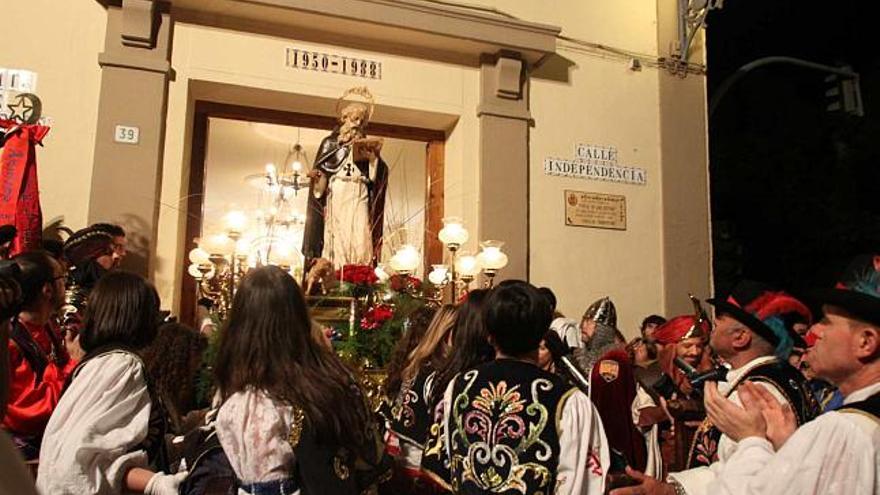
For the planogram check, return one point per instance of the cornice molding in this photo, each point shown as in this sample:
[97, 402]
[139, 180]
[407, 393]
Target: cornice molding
[421, 26]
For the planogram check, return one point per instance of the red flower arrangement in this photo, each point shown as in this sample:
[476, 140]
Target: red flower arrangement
[404, 282]
[357, 274]
[375, 316]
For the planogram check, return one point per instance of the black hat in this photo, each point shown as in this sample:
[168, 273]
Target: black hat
[765, 311]
[858, 292]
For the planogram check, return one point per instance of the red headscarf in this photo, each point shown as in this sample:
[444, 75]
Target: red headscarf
[672, 332]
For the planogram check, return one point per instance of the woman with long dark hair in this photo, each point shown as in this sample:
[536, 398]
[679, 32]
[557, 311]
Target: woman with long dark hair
[292, 416]
[107, 433]
[411, 412]
[173, 361]
[470, 341]
[470, 344]
[417, 325]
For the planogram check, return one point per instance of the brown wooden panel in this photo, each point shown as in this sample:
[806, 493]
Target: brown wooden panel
[281, 117]
[194, 203]
[434, 199]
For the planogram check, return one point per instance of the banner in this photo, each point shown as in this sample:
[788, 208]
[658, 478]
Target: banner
[19, 190]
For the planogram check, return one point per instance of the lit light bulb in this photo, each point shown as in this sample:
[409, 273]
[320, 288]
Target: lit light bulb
[236, 221]
[467, 265]
[406, 259]
[270, 169]
[453, 234]
[297, 166]
[198, 256]
[217, 244]
[491, 257]
[439, 274]
[194, 271]
[381, 274]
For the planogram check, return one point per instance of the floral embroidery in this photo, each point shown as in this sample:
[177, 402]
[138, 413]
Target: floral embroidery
[495, 431]
[704, 450]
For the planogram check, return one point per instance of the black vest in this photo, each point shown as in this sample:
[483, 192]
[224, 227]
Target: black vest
[871, 406]
[503, 431]
[411, 414]
[782, 376]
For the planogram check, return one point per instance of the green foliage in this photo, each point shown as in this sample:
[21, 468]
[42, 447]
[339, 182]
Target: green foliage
[205, 379]
[372, 347]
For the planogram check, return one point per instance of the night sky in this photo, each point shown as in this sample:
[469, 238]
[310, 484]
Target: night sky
[794, 187]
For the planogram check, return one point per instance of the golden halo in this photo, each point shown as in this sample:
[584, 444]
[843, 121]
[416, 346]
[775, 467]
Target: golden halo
[364, 93]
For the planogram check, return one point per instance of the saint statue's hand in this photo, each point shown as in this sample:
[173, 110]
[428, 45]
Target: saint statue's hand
[734, 421]
[647, 485]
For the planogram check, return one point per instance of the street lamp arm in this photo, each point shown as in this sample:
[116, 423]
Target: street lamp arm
[754, 64]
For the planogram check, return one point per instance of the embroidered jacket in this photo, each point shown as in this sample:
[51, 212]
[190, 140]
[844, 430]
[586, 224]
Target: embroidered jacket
[508, 427]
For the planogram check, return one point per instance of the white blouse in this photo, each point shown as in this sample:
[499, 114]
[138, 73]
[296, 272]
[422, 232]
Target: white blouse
[253, 430]
[91, 439]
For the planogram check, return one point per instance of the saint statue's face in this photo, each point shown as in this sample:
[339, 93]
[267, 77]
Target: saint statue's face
[353, 116]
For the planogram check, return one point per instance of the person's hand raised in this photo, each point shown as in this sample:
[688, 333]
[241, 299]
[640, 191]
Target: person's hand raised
[734, 421]
[780, 419]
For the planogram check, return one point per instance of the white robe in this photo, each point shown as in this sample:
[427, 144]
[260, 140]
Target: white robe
[836, 453]
[583, 449]
[568, 331]
[643, 400]
[696, 481]
[348, 238]
[91, 439]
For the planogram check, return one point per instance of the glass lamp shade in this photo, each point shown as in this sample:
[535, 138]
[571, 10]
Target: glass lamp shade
[217, 244]
[453, 232]
[406, 259]
[198, 256]
[467, 265]
[491, 257]
[194, 271]
[236, 221]
[381, 274]
[439, 274]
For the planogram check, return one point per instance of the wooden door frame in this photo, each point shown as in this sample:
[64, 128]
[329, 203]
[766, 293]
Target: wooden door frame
[203, 110]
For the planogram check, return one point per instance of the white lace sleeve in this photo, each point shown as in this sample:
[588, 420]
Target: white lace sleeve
[253, 430]
[92, 438]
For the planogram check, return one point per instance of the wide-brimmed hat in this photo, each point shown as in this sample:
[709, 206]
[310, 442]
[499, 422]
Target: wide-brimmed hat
[767, 312]
[858, 292]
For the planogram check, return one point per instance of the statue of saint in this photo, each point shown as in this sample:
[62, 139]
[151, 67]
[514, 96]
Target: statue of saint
[344, 216]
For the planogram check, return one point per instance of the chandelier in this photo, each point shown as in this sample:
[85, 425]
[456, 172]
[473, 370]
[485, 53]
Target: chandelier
[267, 235]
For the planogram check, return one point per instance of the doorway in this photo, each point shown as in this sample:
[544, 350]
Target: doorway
[235, 147]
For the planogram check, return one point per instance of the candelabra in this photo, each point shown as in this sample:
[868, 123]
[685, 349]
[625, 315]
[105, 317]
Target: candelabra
[218, 265]
[464, 267]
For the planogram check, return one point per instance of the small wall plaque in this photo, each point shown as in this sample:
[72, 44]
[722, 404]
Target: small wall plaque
[332, 63]
[127, 134]
[601, 211]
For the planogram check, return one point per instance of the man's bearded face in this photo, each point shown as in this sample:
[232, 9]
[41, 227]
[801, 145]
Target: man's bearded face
[353, 117]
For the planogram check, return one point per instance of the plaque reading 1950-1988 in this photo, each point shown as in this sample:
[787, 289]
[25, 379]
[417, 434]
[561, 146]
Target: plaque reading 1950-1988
[602, 211]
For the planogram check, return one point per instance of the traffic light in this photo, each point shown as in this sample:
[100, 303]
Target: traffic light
[844, 94]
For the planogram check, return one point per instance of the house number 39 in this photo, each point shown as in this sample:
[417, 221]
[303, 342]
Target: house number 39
[127, 134]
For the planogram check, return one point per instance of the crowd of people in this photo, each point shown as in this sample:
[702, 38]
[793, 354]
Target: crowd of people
[496, 394]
